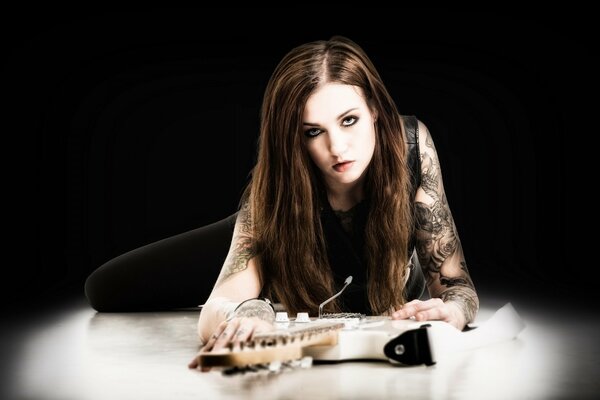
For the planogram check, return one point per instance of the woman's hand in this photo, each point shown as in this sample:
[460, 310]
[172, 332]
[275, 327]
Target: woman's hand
[432, 309]
[236, 330]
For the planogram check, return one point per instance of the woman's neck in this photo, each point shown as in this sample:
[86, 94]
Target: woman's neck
[343, 197]
[346, 199]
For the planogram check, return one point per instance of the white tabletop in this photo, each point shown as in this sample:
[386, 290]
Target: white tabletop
[80, 354]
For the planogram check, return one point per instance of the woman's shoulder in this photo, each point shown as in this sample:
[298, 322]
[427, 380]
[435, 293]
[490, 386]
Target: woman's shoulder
[415, 130]
[411, 128]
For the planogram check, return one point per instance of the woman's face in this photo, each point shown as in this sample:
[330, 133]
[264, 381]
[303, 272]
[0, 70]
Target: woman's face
[339, 134]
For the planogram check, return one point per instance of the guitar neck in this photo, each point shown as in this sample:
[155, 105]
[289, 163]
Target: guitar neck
[280, 345]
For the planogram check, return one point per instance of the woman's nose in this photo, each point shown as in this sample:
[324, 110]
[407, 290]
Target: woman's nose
[338, 142]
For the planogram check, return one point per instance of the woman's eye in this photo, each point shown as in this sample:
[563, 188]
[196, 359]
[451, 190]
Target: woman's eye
[349, 121]
[312, 132]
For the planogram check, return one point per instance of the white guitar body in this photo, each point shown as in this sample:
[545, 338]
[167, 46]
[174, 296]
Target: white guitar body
[367, 340]
[373, 338]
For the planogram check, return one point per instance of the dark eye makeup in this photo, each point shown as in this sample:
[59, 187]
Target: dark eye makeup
[346, 122]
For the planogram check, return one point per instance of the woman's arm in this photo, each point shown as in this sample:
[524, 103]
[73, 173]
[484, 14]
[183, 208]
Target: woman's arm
[438, 246]
[238, 280]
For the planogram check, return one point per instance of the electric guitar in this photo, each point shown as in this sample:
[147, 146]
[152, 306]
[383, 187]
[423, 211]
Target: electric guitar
[404, 342]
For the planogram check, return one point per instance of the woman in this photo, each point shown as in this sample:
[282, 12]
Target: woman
[343, 185]
[335, 193]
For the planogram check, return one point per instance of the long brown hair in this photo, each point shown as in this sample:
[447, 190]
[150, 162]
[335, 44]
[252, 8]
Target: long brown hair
[284, 189]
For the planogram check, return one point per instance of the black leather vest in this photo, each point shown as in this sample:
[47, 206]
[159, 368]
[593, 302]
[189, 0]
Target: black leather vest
[346, 252]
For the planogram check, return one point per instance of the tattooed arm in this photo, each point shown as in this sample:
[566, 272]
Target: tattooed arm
[237, 281]
[439, 250]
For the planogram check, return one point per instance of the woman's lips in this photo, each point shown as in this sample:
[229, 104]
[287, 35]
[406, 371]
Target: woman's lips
[343, 166]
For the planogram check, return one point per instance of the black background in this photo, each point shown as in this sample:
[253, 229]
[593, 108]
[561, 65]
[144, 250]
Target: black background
[125, 128]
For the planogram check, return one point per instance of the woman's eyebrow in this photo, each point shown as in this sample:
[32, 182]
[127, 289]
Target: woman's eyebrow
[339, 117]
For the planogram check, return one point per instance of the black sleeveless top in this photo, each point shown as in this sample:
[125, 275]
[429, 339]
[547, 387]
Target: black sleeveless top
[346, 250]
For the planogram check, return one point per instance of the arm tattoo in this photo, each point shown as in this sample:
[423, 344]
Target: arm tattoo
[242, 247]
[436, 237]
[463, 280]
[245, 220]
[466, 300]
[438, 246]
[256, 308]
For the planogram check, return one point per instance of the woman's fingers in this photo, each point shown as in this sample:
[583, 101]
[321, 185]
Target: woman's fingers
[235, 331]
[213, 339]
[432, 309]
[219, 339]
[408, 310]
[195, 362]
[243, 332]
[226, 334]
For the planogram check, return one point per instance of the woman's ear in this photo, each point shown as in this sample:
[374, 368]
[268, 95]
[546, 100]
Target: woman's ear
[374, 115]
[373, 110]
